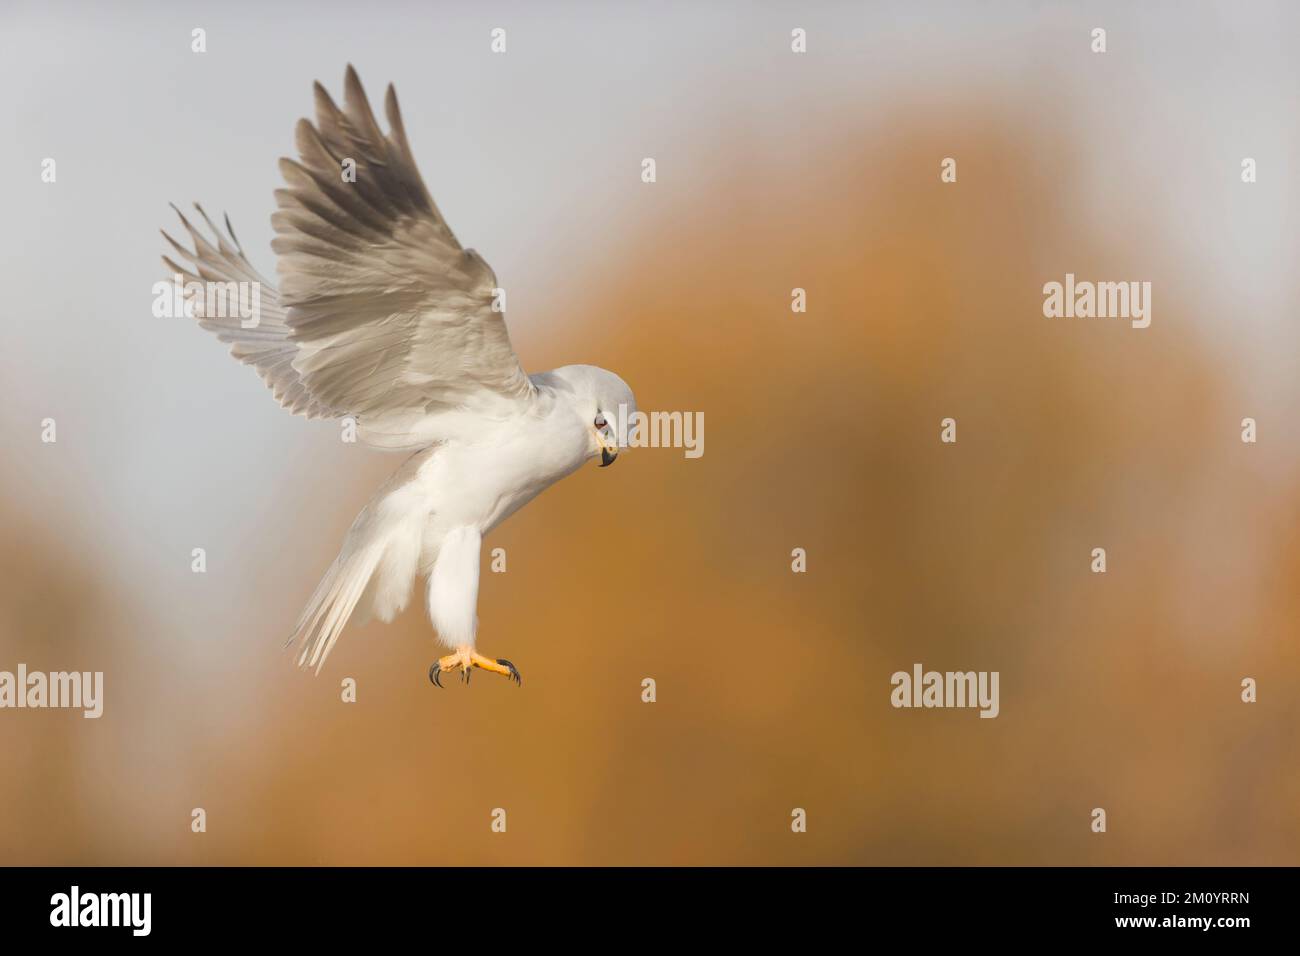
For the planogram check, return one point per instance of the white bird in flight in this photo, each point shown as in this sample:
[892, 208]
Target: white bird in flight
[383, 317]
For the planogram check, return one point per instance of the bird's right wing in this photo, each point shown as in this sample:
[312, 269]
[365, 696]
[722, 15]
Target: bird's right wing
[266, 345]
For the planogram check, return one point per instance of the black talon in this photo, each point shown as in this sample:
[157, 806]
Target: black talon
[434, 671]
[514, 671]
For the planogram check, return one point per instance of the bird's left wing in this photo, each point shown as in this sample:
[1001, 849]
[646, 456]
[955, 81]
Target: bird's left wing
[389, 312]
[382, 314]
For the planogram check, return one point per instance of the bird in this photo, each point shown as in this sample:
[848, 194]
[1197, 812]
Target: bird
[383, 318]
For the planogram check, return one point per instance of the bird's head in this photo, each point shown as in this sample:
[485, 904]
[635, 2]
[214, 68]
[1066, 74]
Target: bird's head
[604, 404]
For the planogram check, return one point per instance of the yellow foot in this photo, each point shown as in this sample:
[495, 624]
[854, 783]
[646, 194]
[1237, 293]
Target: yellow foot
[466, 659]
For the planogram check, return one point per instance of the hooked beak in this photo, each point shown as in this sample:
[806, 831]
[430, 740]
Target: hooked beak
[608, 448]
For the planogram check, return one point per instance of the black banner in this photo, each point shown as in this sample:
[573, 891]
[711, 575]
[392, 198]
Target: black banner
[326, 905]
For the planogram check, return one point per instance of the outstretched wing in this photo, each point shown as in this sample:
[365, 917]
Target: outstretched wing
[388, 310]
[265, 345]
[383, 314]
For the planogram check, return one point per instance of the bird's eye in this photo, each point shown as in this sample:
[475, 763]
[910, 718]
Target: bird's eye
[600, 421]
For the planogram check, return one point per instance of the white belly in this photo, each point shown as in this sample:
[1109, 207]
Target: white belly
[480, 485]
[450, 494]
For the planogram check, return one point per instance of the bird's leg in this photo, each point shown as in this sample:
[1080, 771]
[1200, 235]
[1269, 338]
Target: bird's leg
[466, 658]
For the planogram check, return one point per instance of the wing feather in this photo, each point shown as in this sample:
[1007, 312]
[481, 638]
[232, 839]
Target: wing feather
[267, 346]
[381, 313]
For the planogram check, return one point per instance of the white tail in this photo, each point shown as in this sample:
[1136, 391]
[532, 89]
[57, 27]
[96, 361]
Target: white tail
[335, 599]
[376, 566]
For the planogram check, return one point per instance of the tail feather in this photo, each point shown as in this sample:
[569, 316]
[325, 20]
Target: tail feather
[375, 569]
[332, 604]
